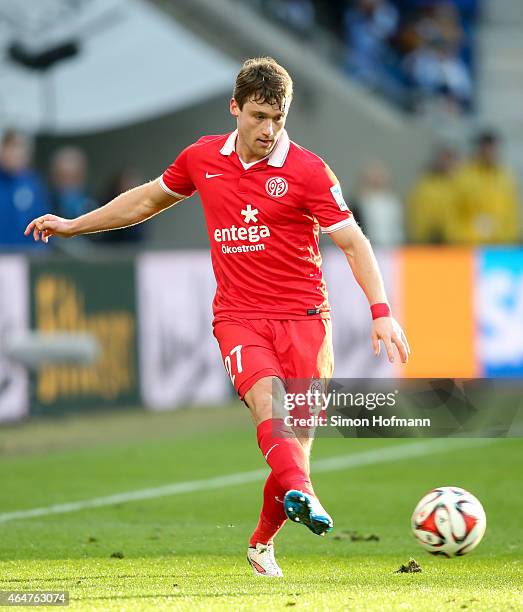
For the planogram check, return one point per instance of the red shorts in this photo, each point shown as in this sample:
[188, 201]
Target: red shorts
[288, 349]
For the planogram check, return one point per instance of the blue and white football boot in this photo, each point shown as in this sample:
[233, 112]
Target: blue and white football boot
[306, 509]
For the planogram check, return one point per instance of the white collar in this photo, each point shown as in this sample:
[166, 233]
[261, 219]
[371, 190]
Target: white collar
[276, 158]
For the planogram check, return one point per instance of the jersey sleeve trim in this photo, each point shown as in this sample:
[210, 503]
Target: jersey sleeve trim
[339, 225]
[170, 191]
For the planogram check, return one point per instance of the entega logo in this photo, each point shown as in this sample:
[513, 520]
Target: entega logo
[252, 234]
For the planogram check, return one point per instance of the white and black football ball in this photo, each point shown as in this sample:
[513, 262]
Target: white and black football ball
[449, 521]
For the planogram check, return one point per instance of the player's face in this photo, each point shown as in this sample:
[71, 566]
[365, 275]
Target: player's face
[259, 127]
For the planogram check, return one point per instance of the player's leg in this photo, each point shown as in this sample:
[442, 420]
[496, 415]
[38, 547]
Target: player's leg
[260, 552]
[255, 371]
[272, 518]
[306, 444]
[260, 400]
[277, 441]
[288, 458]
[248, 355]
[306, 509]
[306, 355]
[272, 515]
[253, 366]
[286, 455]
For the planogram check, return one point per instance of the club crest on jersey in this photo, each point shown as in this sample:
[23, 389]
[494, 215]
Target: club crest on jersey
[276, 186]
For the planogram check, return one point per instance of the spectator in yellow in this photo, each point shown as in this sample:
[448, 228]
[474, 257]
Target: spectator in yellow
[486, 197]
[431, 204]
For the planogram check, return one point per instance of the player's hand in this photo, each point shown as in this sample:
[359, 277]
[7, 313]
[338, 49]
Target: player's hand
[49, 225]
[388, 331]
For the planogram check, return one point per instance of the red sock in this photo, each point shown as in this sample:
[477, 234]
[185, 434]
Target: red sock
[286, 457]
[272, 514]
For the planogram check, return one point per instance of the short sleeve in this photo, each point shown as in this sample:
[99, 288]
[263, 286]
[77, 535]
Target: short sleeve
[325, 200]
[176, 180]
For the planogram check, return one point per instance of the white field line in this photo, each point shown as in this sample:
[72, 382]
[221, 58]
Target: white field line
[340, 462]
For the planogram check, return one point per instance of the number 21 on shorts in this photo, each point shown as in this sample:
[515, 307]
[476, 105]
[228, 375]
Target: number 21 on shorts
[234, 358]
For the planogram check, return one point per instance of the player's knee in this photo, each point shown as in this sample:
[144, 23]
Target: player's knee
[263, 399]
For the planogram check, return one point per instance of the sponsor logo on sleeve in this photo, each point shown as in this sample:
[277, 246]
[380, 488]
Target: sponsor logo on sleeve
[338, 197]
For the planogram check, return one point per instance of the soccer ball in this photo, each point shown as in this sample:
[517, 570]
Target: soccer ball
[449, 521]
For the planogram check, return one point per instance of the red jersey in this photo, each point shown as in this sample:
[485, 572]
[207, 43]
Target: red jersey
[263, 224]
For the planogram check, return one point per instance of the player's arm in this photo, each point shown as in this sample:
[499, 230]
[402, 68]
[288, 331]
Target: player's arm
[351, 240]
[129, 208]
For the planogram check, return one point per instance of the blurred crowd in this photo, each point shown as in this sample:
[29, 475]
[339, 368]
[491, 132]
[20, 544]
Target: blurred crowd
[463, 201]
[63, 190]
[468, 201]
[416, 52]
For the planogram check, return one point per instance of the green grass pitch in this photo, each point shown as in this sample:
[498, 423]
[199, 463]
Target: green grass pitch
[187, 551]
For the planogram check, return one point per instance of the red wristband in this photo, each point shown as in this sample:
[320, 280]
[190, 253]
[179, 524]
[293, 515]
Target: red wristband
[380, 310]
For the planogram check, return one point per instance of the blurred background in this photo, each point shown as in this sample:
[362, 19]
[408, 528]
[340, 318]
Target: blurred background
[415, 104]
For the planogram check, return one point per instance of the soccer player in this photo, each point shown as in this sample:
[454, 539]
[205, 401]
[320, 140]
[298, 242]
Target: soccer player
[265, 199]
